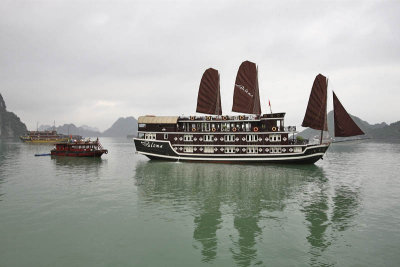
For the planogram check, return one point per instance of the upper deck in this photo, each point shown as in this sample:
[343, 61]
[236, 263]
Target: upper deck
[217, 124]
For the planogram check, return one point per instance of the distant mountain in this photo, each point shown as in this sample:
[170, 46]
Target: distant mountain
[10, 124]
[71, 129]
[122, 127]
[88, 128]
[391, 131]
[376, 131]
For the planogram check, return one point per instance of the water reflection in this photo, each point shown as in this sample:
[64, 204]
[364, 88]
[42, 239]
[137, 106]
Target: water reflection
[346, 204]
[328, 213]
[10, 150]
[253, 194]
[207, 222]
[78, 165]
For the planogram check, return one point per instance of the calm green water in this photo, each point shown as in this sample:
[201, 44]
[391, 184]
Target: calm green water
[124, 210]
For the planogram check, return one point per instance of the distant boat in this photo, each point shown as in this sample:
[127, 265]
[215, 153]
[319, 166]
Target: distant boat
[250, 137]
[44, 137]
[79, 148]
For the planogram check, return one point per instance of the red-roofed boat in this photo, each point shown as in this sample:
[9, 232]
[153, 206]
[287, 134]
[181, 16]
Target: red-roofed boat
[81, 148]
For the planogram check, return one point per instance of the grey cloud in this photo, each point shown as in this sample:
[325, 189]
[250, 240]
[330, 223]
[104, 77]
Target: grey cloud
[59, 58]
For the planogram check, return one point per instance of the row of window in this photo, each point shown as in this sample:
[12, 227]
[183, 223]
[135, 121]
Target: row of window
[232, 149]
[214, 138]
[223, 127]
[230, 138]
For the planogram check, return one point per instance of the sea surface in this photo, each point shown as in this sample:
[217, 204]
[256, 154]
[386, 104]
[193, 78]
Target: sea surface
[125, 210]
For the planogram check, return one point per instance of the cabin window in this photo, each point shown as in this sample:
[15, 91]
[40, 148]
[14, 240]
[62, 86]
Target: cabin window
[150, 136]
[275, 150]
[207, 127]
[209, 138]
[165, 136]
[252, 150]
[297, 149]
[209, 149]
[248, 127]
[188, 137]
[225, 127]
[229, 138]
[188, 149]
[252, 137]
[141, 135]
[274, 137]
[229, 149]
[142, 125]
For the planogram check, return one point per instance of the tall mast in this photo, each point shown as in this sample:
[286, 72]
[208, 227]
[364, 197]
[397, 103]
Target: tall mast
[209, 97]
[326, 101]
[246, 97]
[315, 116]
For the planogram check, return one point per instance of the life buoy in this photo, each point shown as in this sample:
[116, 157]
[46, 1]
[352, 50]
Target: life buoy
[255, 129]
[192, 118]
[234, 129]
[106, 152]
[193, 129]
[224, 118]
[273, 129]
[213, 129]
[208, 118]
[241, 117]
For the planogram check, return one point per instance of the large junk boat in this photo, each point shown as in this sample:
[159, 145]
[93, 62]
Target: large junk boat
[46, 137]
[79, 148]
[247, 137]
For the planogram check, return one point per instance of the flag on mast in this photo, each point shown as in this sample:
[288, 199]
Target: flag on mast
[269, 103]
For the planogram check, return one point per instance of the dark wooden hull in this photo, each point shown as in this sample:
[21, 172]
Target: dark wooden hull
[162, 150]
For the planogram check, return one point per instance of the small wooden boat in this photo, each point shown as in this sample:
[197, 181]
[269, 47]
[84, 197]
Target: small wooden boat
[79, 148]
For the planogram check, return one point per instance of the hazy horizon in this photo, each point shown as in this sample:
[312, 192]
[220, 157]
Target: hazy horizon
[91, 63]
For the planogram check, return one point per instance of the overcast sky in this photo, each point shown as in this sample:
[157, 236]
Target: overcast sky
[91, 62]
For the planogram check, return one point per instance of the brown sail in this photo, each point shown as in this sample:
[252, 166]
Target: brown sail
[246, 98]
[344, 124]
[315, 116]
[209, 98]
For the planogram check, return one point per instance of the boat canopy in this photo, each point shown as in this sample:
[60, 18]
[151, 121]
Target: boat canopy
[246, 97]
[209, 98]
[158, 119]
[315, 116]
[344, 124]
